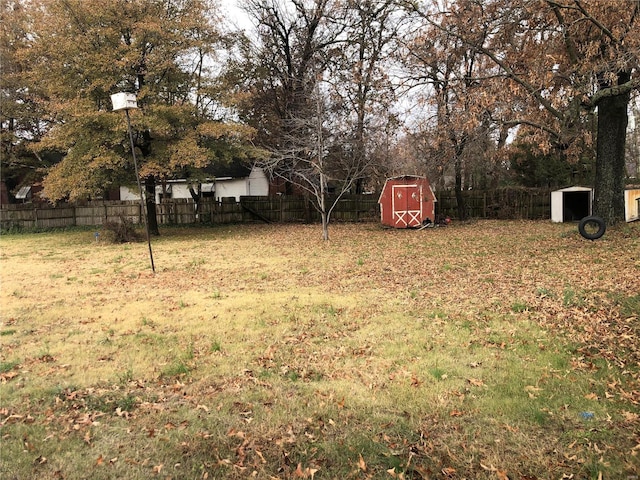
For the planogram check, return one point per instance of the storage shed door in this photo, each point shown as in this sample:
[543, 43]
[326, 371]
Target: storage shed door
[407, 205]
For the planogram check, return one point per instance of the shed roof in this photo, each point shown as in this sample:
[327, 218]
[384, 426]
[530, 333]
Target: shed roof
[422, 178]
[574, 189]
[407, 177]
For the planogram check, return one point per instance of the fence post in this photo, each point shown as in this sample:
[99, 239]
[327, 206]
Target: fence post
[530, 206]
[484, 204]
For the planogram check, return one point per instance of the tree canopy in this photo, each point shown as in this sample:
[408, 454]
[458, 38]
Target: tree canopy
[76, 54]
[562, 67]
[498, 82]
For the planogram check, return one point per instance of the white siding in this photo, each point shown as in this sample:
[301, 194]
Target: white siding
[258, 183]
[255, 184]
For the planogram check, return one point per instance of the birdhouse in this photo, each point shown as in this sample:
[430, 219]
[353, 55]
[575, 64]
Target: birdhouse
[123, 101]
[407, 202]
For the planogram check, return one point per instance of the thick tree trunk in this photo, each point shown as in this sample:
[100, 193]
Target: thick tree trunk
[610, 158]
[152, 218]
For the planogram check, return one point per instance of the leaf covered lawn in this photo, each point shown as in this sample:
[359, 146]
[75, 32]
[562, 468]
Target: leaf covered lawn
[485, 350]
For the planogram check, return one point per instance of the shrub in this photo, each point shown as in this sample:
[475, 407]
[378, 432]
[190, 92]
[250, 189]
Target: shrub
[122, 231]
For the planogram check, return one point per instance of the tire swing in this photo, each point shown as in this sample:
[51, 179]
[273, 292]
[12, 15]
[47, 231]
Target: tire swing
[592, 227]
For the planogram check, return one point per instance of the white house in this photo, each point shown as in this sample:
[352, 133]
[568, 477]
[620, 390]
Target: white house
[237, 182]
[255, 184]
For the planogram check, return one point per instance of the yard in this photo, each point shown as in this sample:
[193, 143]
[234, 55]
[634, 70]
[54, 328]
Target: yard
[488, 350]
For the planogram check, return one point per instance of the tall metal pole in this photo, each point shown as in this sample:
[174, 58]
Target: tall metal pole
[143, 207]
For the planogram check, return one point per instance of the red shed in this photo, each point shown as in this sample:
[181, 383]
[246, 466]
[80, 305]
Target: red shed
[407, 201]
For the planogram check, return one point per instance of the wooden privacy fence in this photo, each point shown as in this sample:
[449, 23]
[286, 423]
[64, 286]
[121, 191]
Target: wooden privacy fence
[44, 216]
[504, 203]
[351, 208]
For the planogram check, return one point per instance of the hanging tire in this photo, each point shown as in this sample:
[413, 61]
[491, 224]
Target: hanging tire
[592, 227]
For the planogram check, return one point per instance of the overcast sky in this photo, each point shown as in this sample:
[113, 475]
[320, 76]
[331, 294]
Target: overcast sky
[235, 15]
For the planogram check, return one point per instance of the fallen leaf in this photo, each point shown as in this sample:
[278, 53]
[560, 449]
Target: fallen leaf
[532, 391]
[591, 396]
[8, 376]
[99, 460]
[361, 464]
[475, 382]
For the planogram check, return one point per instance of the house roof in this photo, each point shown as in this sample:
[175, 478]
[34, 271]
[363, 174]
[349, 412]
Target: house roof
[24, 192]
[235, 169]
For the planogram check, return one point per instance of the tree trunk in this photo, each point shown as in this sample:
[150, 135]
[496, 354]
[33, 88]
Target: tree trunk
[323, 207]
[610, 158]
[462, 207]
[196, 195]
[152, 218]
[325, 226]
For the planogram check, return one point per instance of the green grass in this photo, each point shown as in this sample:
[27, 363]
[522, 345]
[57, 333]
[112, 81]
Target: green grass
[472, 349]
[8, 366]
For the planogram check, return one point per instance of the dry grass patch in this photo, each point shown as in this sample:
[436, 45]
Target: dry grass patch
[473, 351]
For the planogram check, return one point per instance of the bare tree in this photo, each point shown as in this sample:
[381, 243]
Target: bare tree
[458, 130]
[306, 162]
[297, 101]
[362, 92]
